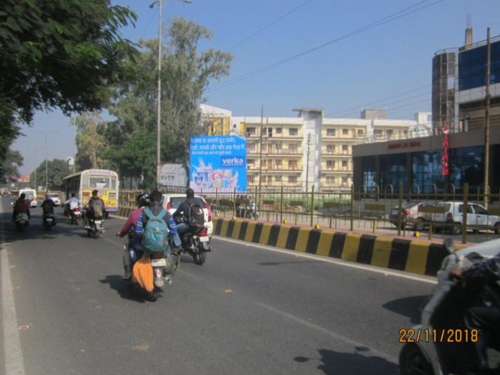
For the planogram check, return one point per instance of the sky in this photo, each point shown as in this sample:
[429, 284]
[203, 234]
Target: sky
[388, 66]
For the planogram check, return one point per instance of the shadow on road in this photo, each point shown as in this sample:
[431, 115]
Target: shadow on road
[408, 306]
[125, 291]
[337, 363]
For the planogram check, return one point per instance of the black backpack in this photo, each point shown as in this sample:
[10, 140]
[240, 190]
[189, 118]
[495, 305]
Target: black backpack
[196, 216]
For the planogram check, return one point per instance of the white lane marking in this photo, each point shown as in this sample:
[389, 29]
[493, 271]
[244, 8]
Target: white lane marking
[339, 262]
[14, 362]
[327, 332]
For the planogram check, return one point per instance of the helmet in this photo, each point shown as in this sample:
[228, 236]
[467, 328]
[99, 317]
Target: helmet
[143, 200]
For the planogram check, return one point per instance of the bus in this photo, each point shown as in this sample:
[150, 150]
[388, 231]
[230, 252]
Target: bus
[83, 183]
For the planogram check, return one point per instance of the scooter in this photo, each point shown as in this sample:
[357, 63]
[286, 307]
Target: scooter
[74, 216]
[196, 243]
[164, 266]
[441, 344]
[22, 221]
[49, 221]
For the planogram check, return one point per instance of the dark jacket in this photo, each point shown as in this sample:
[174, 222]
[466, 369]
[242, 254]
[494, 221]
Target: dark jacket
[183, 209]
[489, 270]
[48, 206]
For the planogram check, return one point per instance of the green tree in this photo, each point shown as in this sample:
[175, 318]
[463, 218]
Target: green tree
[90, 141]
[10, 166]
[62, 54]
[186, 73]
[57, 169]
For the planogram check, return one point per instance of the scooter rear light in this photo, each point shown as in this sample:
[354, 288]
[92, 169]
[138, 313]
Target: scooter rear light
[157, 256]
[77, 210]
[406, 212]
[209, 212]
[203, 232]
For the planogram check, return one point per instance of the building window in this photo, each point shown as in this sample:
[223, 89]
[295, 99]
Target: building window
[369, 175]
[330, 164]
[278, 164]
[251, 147]
[251, 179]
[360, 131]
[279, 130]
[330, 149]
[344, 163]
[393, 171]
[293, 131]
[467, 166]
[264, 179]
[292, 179]
[330, 180]
[278, 178]
[293, 148]
[330, 132]
[345, 131]
[250, 131]
[270, 132]
[292, 164]
[390, 133]
[345, 148]
[251, 163]
[426, 168]
[279, 146]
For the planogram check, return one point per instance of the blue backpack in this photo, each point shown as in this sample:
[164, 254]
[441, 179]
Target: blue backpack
[155, 235]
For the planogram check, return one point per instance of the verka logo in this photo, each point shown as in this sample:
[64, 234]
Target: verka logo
[233, 162]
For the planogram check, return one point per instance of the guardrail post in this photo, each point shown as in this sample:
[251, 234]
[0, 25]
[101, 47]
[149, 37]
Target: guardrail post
[352, 207]
[464, 221]
[400, 209]
[281, 205]
[312, 206]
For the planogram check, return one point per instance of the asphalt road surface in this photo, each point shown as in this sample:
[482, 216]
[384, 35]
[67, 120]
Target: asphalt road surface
[248, 310]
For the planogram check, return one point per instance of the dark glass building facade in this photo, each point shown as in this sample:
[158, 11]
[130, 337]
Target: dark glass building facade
[472, 67]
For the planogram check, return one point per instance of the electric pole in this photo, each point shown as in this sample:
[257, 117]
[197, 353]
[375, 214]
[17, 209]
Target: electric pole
[261, 146]
[307, 161]
[487, 123]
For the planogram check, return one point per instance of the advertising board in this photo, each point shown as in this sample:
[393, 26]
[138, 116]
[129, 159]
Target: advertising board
[174, 175]
[218, 162]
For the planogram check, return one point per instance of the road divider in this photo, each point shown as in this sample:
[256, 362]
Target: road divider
[416, 256]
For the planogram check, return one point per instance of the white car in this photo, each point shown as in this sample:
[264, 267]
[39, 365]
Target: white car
[172, 201]
[30, 195]
[55, 198]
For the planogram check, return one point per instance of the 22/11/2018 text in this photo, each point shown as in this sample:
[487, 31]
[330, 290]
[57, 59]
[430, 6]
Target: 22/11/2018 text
[434, 335]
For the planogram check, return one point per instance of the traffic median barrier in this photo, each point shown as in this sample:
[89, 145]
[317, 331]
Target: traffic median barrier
[415, 256]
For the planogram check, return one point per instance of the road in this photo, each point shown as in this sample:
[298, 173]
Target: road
[248, 310]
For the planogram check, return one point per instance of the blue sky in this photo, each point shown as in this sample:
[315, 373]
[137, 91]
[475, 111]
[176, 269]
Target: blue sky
[381, 63]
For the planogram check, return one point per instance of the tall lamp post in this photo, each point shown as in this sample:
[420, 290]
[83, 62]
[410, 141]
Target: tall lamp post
[158, 125]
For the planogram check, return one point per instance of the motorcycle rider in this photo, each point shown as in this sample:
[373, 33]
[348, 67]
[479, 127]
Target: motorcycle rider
[486, 320]
[156, 207]
[90, 208]
[48, 207]
[134, 222]
[22, 205]
[73, 203]
[182, 212]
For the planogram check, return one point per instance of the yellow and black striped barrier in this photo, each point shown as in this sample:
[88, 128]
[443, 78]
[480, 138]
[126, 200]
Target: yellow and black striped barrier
[411, 256]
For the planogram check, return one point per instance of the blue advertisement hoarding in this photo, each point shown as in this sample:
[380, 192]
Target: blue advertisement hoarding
[218, 162]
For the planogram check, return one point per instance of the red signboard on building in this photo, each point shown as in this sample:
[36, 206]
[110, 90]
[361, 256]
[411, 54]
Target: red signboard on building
[404, 145]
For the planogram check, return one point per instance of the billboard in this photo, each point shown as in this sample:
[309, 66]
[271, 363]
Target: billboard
[175, 175]
[24, 178]
[218, 162]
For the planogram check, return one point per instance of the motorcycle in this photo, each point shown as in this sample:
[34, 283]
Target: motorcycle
[94, 227]
[22, 221]
[74, 216]
[49, 221]
[196, 243]
[164, 266]
[440, 345]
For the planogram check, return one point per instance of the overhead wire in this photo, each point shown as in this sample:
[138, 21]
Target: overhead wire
[402, 13]
[268, 25]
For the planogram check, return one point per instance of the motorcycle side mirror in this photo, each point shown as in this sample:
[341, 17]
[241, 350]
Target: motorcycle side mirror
[448, 245]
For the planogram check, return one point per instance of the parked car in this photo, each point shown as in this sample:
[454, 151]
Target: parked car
[410, 215]
[55, 198]
[172, 201]
[477, 216]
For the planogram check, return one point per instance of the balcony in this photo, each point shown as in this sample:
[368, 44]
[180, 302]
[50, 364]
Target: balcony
[282, 137]
[275, 170]
[341, 170]
[327, 154]
[274, 152]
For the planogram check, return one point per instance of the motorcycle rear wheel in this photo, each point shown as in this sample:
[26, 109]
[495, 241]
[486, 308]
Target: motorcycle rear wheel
[199, 258]
[413, 362]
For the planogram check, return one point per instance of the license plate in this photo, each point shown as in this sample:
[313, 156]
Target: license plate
[98, 222]
[50, 220]
[159, 262]
[204, 239]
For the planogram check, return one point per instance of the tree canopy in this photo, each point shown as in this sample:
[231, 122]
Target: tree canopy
[57, 169]
[58, 54]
